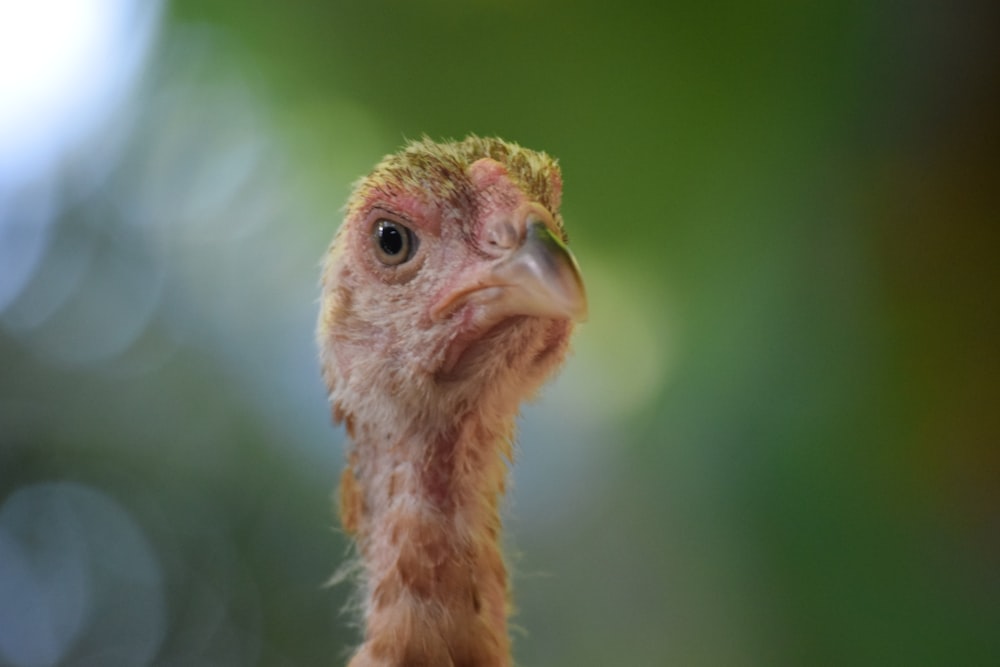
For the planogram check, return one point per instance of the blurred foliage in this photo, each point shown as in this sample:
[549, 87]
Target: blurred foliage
[776, 445]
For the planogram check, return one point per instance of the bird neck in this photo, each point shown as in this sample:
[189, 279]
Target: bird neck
[425, 510]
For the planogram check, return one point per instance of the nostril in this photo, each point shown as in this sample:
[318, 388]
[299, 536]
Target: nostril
[502, 234]
[505, 229]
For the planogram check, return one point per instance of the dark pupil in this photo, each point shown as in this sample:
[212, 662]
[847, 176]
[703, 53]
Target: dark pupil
[390, 239]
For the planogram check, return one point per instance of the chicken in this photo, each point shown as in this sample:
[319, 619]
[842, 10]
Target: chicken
[448, 298]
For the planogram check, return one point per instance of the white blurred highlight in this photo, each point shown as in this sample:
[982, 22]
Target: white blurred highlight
[63, 66]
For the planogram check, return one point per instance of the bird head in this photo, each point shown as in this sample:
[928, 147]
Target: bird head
[449, 286]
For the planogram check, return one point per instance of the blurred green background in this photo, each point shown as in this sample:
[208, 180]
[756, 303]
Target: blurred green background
[775, 444]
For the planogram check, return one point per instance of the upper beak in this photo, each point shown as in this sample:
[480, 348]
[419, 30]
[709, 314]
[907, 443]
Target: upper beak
[541, 278]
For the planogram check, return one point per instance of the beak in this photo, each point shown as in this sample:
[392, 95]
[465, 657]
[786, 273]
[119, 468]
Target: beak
[541, 278]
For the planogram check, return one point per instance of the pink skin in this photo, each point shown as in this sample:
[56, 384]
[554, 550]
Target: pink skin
[427, 363]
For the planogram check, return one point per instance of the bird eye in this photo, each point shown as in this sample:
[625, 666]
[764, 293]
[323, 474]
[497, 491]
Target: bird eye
[394, 243]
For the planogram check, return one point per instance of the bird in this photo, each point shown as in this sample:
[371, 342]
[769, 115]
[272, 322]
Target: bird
[448, 297]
